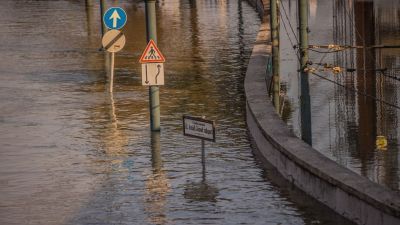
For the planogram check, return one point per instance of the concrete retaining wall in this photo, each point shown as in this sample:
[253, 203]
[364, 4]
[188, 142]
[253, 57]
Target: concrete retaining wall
[344, 191]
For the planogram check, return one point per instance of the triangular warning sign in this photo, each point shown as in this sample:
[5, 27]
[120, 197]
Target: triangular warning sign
[152, 54]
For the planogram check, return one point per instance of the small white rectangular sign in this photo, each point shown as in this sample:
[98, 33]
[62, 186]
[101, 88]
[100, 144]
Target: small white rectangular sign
[152, 74]
[199, 128]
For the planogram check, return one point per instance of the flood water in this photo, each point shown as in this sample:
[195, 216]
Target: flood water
[71, 153]
[346, 125]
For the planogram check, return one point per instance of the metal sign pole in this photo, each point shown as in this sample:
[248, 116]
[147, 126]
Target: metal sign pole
[202, 129]
[103, 27]
[153, 90]
[112, 72]
[114, 40]
[203, 159]
[203, 154]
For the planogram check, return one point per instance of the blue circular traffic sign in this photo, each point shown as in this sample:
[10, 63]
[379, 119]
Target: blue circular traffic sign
[114, 18]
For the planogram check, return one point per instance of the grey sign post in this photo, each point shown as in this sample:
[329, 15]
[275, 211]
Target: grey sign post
[113, 41]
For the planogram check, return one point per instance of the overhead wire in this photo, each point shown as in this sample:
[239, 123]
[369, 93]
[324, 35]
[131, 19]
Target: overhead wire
[290, 24]
[325, 52]
[336, 48]
[287, 32]
[290, 40]
[390, 76]
[335, 68]
[339, 48]
[356, 91]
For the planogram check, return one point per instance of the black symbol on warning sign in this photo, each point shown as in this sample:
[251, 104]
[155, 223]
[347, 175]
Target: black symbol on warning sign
[147, 80]
[158, 72]
[152, 54]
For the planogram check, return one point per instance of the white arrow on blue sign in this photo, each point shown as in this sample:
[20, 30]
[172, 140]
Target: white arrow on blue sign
[114, 18]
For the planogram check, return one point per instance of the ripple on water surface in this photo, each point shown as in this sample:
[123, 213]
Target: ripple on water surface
[73, 154]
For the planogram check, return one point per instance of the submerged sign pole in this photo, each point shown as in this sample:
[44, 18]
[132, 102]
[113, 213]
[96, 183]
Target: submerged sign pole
[203, 155]
[113, 41]
[103, 26]
[112, 72]
[203, 151]
[152, 61]
[154, 92]
[199, 128]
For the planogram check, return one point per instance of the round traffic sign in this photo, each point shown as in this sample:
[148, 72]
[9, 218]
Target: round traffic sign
[113, 41]
[114, 18]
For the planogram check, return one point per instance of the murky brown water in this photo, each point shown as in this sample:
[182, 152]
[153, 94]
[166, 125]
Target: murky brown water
[345, 124]
[73, 154]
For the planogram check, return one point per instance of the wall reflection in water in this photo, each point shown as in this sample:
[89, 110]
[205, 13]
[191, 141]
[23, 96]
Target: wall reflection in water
[71, 153]
[368, 118]
[347, 126]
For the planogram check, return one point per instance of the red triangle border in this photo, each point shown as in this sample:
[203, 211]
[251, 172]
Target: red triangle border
[152, 43]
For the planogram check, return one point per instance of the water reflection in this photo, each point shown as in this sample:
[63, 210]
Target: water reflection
[201, 191]
[157, 185]
[369, 78]
[346, 125]
[366, 83]
[73, 154]
[313, 9]
[115, 139]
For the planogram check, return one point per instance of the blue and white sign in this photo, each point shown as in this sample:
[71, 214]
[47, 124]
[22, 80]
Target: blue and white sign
[114, 18]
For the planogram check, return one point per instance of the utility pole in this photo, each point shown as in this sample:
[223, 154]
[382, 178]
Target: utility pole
[275, 54]
[154, 92]
[305, 89]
